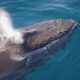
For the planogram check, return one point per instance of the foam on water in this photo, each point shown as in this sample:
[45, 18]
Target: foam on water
[7, 30]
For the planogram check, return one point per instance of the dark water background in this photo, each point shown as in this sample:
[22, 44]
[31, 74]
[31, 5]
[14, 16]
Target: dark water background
[66, 65]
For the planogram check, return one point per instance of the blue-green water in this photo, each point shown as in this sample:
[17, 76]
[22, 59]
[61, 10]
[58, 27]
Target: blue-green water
[65, 65]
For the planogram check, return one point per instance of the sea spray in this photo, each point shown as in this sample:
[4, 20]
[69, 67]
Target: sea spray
[7, 30]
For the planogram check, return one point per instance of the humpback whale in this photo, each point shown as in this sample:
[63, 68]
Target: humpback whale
[22, 50]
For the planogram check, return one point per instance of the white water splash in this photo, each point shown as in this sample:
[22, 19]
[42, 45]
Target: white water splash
[7, 30]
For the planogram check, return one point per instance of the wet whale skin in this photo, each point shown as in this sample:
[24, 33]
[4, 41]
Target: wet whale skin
[42, 43]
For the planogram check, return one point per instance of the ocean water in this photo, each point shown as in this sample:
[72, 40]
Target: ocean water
[66, 64]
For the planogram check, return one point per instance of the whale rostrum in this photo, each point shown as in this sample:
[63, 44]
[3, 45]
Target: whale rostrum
[42, 42]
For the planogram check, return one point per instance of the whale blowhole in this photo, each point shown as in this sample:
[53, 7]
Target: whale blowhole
[7, 31]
